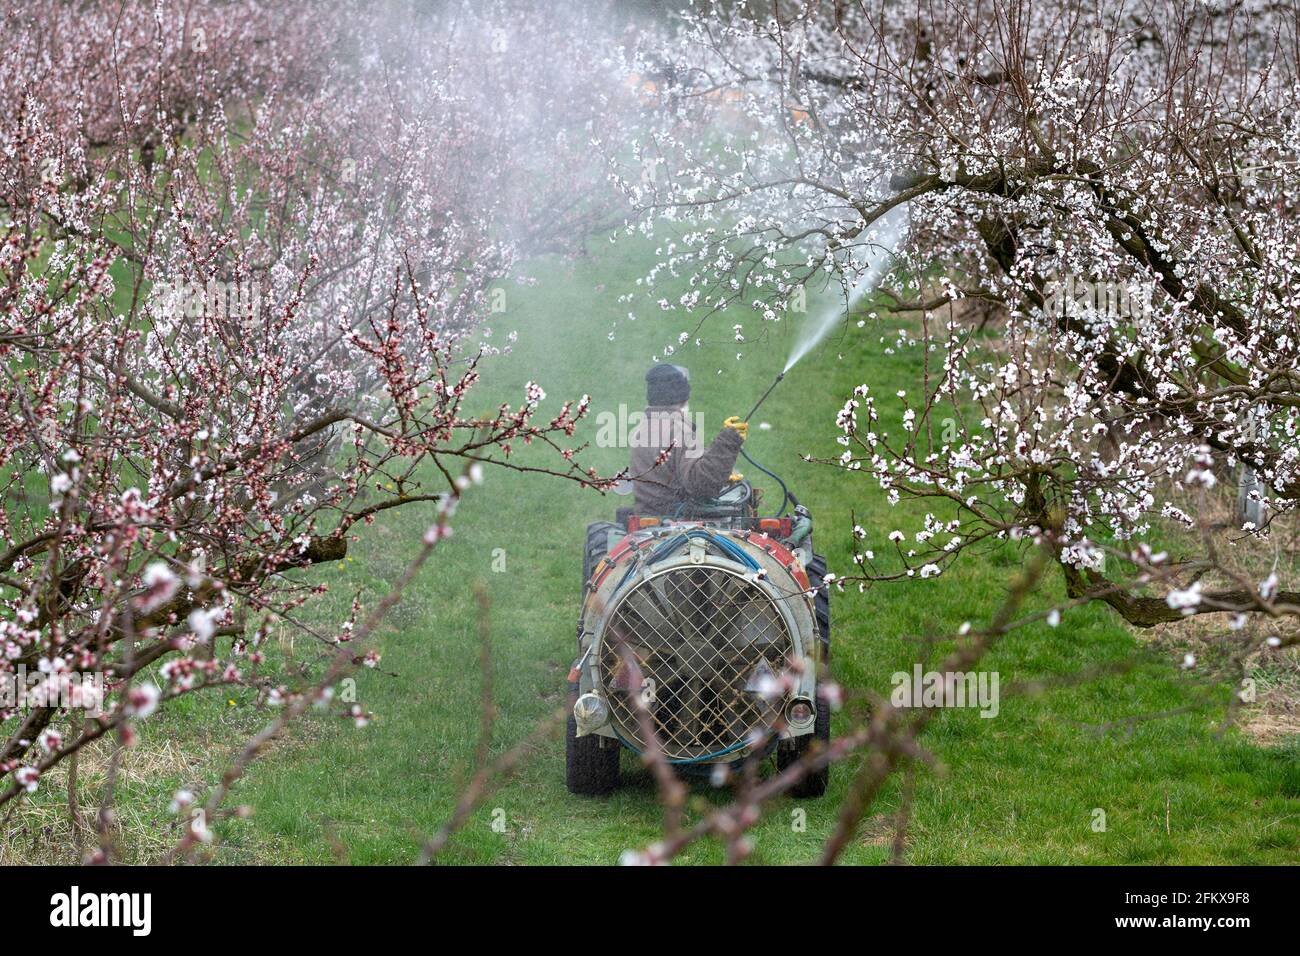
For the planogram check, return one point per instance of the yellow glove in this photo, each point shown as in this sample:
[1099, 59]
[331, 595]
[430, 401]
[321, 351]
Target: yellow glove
[735, 422]
[734, 477]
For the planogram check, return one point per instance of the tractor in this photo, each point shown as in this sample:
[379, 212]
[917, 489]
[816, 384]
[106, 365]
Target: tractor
[701, 634]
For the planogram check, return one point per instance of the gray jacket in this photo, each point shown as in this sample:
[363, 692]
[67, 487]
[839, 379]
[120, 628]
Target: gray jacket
[690, 472]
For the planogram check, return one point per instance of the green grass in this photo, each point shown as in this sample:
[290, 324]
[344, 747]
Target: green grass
[1020, 788]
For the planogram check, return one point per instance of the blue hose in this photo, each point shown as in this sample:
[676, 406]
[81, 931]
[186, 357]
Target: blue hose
[731, 548]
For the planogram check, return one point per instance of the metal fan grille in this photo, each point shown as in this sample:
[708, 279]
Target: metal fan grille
[708, 644]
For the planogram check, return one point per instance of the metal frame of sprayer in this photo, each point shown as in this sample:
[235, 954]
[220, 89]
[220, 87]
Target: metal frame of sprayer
[764, 563]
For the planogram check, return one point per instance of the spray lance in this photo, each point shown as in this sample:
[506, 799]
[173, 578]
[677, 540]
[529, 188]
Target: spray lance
[776, 381]
[804, 523]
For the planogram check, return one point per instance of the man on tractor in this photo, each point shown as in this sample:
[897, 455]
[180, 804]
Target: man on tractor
[708, 601]
[689, 472]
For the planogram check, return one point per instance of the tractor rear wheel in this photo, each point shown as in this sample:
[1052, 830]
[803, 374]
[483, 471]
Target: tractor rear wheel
[821, 603]
[812, 784]
[590, 762]
[597, 547]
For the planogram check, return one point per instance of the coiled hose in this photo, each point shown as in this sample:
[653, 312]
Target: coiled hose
[786, 497]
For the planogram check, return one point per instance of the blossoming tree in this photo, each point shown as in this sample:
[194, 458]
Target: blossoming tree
[246, 259]
[1117, 183]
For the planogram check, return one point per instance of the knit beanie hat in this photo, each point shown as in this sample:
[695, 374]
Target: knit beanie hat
[667, 385]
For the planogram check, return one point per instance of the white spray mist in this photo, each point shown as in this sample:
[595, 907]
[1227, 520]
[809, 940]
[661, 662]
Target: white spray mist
[879, 255]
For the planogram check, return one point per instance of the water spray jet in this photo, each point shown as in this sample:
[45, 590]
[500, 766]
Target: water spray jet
[870, 273]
